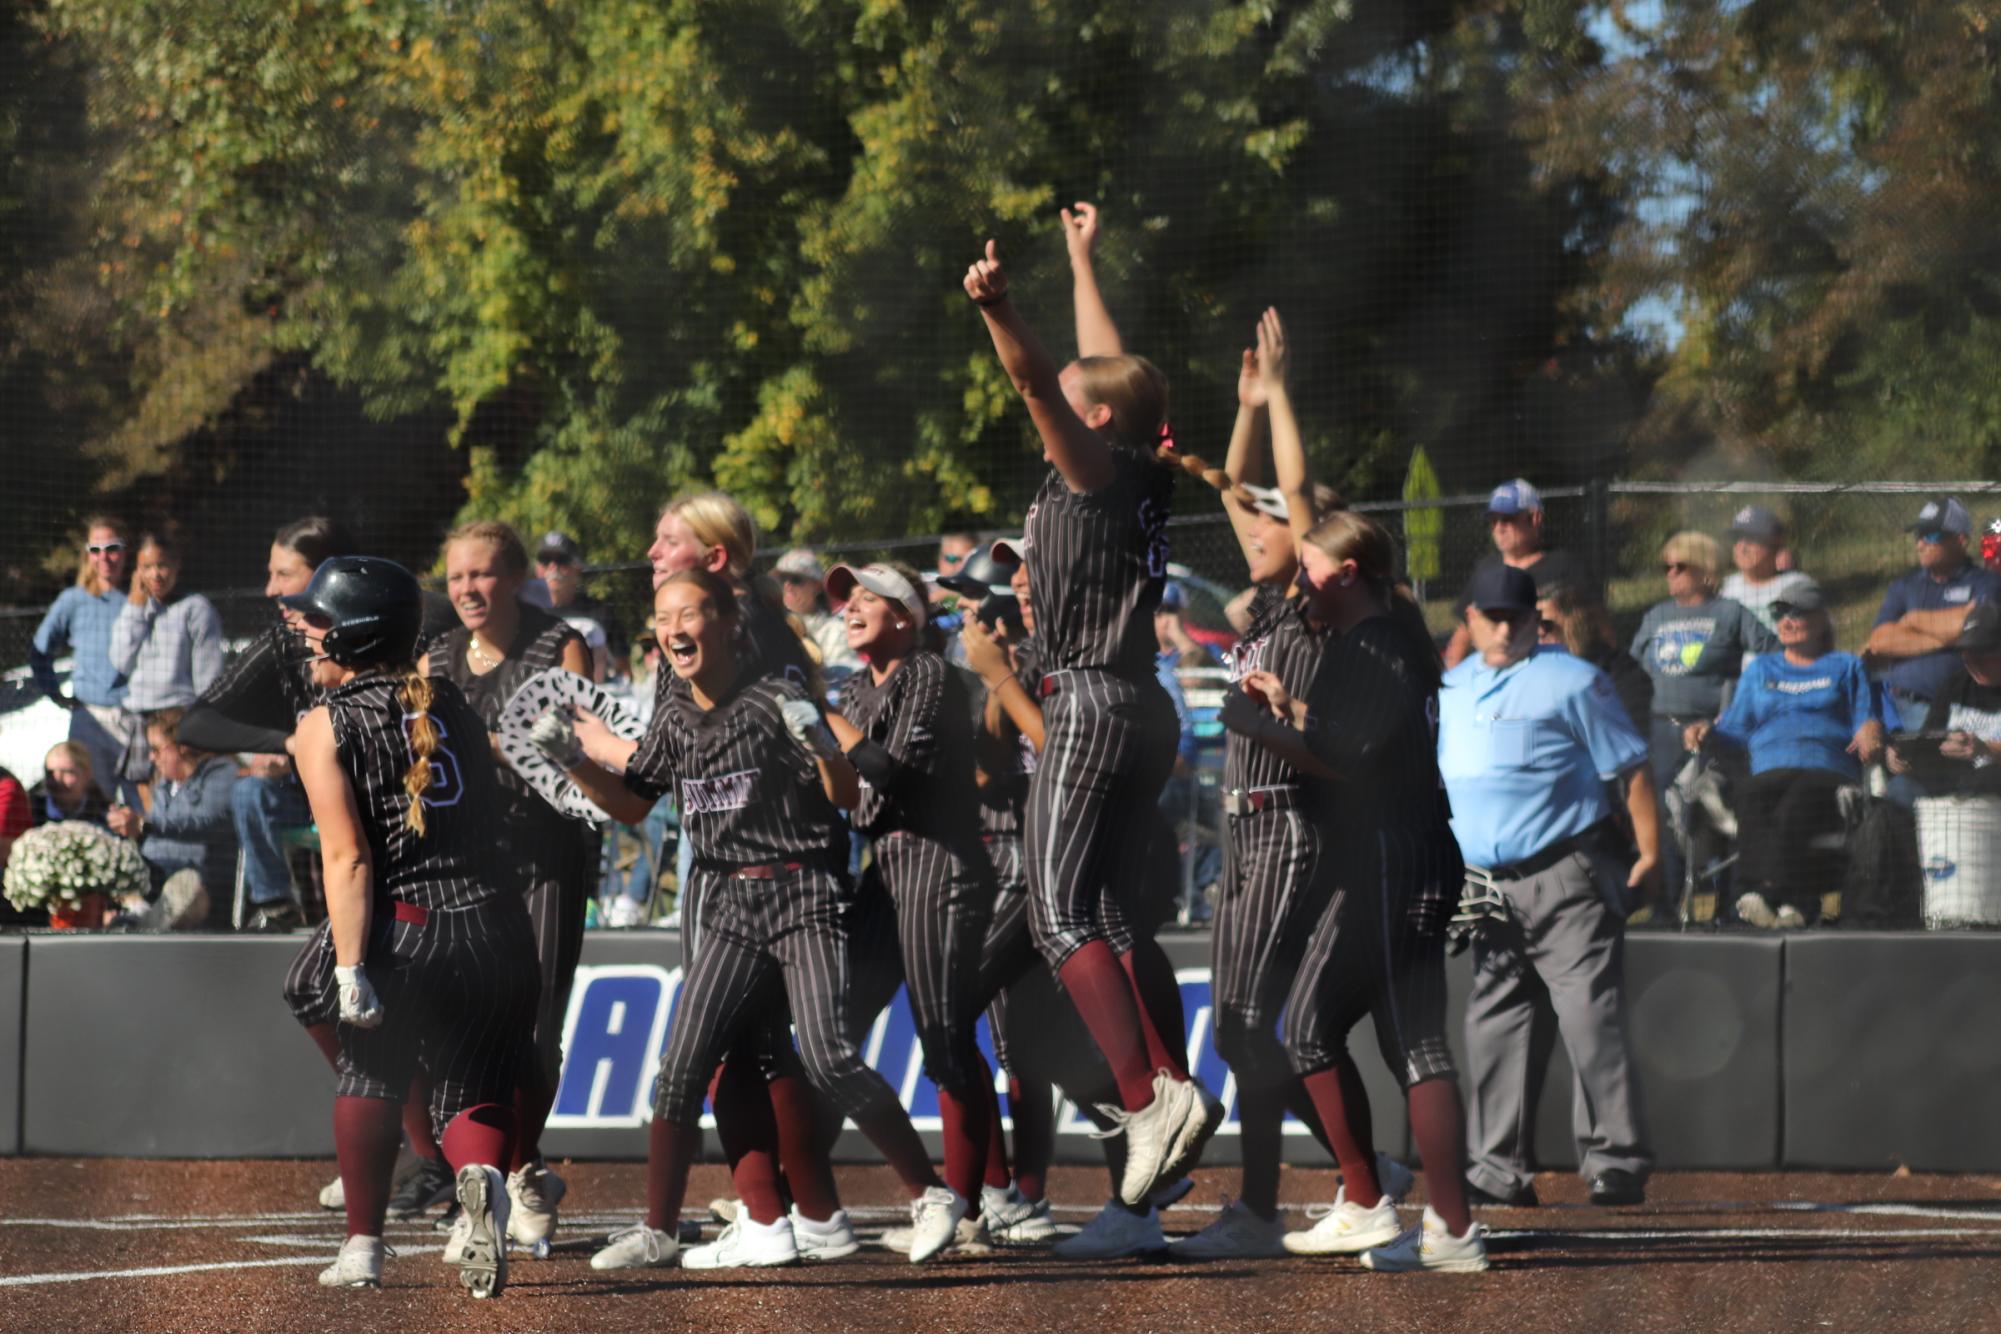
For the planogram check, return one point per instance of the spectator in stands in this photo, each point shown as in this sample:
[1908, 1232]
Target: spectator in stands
[16, 818]
[167, 644]
[185, 832]
[1573, 620]
[1170, 631]
[953, 548]
[559, 563]
[804, 586]
[1757, 540]
[79, 623]
[68, 790]
[1911, 645]
[1808, 717]
[1515, 521]
[1968, 711]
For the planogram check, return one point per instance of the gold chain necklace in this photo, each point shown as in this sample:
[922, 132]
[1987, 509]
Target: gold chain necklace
[478, 658]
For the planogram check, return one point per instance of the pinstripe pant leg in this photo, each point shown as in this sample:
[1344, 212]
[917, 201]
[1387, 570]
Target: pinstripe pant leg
[811, 946]
[943, 905]
[1008, 953]
[480, 994]
[1267, 910]
[309, 984]
[565, 861]
[871, 929]
[1080, 813]
[725, 989]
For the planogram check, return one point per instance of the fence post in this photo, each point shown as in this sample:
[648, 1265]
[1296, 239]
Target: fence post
[1598, 512]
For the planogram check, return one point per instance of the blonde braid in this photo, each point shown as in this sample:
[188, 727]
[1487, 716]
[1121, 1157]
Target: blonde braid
[416, 698]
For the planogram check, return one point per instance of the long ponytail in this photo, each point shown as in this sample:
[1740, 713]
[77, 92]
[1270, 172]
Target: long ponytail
[416, 699]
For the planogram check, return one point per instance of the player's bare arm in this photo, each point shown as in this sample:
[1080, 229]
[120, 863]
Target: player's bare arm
[344, 856]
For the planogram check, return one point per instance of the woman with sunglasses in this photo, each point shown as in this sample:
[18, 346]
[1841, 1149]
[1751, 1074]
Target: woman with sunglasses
[1692, 644]
[80, 622]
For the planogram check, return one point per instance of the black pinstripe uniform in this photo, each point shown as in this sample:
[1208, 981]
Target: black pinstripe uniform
[1271, 894]
[918, 811]
[1097, 562]
[1009, 950]
[1379, 947]
[558, 856]
[450, 952]
[771, 856]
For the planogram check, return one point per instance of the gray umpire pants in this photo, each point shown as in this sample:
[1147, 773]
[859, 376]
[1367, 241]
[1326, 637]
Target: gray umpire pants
[1557, 964]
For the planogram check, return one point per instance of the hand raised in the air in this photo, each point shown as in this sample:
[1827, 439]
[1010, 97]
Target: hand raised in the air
[986, 281]
[1272, 356]
[1251, 381]
[556, 737]
[1080, 231]
[359, 1005]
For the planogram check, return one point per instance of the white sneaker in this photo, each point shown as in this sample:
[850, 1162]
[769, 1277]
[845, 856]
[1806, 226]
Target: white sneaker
[1151, 1134]
[359, 1264]
[1204, 1116]
[625, 912]
[1115, 1232]
[533, 1194]
[965, 1237]
[637, 1247]
[746, 1244]
[1346, 1228]
[725, 1208]
[833, 1239]
[1752, 910]
[1012, 1220]
[1432, 1249]
[934, 1221]
[333, 1195]
[479, 1238]
[1237, 1234]
[1789, 918]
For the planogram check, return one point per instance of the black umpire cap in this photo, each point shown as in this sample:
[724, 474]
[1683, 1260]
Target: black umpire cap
[1501, 588]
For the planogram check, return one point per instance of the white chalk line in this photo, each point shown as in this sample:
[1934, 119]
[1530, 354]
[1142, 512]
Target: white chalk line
[158, 1271]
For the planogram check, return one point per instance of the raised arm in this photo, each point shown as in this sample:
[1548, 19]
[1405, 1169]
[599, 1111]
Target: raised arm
[1097, 336]
[1076, 451]
[1242, 462]
[1288, 450]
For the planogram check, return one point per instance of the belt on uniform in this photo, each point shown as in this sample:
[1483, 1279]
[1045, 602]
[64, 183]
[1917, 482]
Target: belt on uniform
[1251, 800]
[1052, 683]
[1603, 833]
[763, 870]
[414, 914]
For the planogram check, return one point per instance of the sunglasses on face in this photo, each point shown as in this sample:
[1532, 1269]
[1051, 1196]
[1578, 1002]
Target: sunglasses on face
[108, 549]
[1934, 537]
[959, 559]
[1790, 613]
[1675, 566]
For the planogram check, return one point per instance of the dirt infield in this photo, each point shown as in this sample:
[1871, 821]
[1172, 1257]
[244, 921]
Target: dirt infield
[103, 1244]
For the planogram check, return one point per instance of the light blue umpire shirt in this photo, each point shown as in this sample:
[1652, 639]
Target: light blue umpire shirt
[1526, 751]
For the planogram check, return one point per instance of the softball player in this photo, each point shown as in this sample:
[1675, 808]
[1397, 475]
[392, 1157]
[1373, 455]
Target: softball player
[760, 780]
[432, 952]
[500, 642]
[1270, 899]
[1369, 733]
[904, 724]
[1096, 548]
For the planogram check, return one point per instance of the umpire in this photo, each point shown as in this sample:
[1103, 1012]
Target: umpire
[1529, 739]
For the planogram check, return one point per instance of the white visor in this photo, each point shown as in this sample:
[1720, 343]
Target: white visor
[881, 581]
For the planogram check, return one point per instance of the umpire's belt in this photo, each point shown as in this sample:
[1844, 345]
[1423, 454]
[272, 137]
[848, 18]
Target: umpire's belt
[1604, 834]
[1251, 800]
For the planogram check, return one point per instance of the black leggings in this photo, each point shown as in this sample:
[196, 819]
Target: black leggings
[1789, 836]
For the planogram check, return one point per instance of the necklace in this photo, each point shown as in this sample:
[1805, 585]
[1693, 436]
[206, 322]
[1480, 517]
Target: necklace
[478, 658]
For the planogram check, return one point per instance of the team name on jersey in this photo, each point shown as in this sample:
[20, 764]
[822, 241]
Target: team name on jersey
[1248, 656]
[727, 792]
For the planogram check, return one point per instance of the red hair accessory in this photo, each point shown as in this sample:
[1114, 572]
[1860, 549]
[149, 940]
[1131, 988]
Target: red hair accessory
[1167, 437]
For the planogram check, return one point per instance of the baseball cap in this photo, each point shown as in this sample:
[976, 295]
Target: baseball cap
[1010, 550]
[1516, 497]
[1173, 597]
[1943, 514]
[559, 548]
[1802, 596]
[1501, 588]
[1982, 631]
[1759, 524]
[800, 564]
[881, 581]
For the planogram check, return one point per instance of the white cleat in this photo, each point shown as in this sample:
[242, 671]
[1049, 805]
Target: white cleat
[532, 1196]
[1011, 1220]
[359, 1264]
[833, 1239]
[934, 1221]
[1151, 1134]
[1346, 1228]
[746, 1244]
[1431, 1249]
[637, 1247]
[1116, 1232]
[967, 1238]
[725, 1208]
[1204, 1117]
[333, 1195]
[478, 1245]
[1237, 1234]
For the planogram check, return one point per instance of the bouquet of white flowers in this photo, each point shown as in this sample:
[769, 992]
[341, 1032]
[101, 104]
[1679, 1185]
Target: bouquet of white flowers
[55, 865]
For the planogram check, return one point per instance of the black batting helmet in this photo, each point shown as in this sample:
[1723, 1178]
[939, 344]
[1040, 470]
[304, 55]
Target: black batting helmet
[373, 609]
[982, 573]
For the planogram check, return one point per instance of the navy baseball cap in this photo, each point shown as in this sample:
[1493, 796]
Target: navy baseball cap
[1759, 525]
[1943, 514]
[558, 548]
[1516, 497]
[1501, 588]
[1173, 597]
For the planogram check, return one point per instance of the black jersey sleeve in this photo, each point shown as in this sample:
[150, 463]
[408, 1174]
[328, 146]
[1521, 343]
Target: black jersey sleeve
[1359, 701]
[649, 774]
[247, 708]
[908, 755]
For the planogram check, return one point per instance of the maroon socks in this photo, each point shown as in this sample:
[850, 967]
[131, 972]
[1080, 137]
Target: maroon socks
[1162, 1021]
[1343, 1104]
[802, 1151]
[749, 1135]
[1103, 994]
[1438, 1124]
[365, 1140]
[670, 1149]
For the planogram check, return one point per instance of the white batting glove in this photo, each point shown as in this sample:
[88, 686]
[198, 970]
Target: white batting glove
[359, 1005]
[803, 721]
[555, 735]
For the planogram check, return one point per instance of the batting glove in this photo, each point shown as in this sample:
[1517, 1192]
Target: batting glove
[359, 1005]
[803, 721]
[556, 737]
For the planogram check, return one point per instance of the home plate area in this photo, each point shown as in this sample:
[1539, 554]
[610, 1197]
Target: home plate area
[103, 1244]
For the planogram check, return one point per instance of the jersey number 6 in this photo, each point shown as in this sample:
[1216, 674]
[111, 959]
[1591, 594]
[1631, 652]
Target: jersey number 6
[447, 784]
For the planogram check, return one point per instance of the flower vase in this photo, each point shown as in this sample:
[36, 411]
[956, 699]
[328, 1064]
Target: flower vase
[87, 915]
